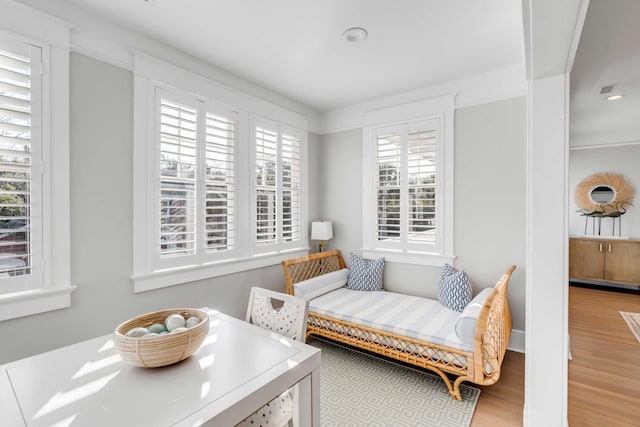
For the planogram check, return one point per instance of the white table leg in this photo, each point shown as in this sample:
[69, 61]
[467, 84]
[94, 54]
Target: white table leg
[315, 397]
[10, 414]
[302, 411]
[306, 409]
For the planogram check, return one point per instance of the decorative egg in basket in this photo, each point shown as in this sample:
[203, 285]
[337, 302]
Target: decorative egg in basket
[161, 338]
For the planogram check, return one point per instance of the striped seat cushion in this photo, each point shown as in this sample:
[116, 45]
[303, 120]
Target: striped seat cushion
[415, 317]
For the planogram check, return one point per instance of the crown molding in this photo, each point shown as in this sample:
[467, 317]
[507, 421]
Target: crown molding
[105, 41]
[505, 83]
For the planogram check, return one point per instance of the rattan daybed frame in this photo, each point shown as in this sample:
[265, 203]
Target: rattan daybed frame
[481, 366]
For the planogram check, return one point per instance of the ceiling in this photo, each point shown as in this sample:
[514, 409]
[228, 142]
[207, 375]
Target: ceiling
[295, 48]
[608, 53]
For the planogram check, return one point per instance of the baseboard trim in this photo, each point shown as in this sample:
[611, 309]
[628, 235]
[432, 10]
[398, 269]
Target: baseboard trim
[516, 343]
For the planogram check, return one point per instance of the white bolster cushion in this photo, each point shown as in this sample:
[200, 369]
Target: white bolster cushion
[319, 285]
[466, 323]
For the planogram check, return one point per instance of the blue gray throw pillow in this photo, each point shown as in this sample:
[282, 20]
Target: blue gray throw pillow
[366, 274]
[455, 288]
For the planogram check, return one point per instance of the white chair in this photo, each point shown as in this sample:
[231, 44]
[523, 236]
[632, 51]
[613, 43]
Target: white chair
[290, 320]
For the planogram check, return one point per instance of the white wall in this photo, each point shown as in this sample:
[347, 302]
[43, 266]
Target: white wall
[546, 369]
[490, 196]
[101, 103]
[490, 188]
[316, 186]
[622, 160]
[341, 196]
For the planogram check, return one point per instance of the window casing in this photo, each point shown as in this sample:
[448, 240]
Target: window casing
[225, 187]
[34, 163]
[408, 183]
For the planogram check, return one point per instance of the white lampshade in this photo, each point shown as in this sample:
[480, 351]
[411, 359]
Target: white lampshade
[321, 230]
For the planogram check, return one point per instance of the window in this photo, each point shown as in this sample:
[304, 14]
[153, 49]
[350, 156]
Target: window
[277, 180]
[34, 165]
[408, 183]
[218, 189]
[19, 157]
[196, 144]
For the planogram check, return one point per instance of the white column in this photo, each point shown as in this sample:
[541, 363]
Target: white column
[547, 224]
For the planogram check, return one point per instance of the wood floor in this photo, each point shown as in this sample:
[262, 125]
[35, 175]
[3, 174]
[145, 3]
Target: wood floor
[502, 403]
[604, 375]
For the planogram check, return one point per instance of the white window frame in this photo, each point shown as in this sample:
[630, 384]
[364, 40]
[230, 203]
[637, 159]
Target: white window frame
[51, 35]
[151, 73]
[441, 109]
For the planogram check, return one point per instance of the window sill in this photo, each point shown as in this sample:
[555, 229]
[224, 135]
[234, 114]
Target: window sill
[22, 304]
[177, 276]
[417, 258]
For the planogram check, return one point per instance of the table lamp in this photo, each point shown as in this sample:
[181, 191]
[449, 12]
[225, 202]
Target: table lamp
[321, 230]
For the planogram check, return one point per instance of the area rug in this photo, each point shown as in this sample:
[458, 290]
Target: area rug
[633, 320]
[360, 389]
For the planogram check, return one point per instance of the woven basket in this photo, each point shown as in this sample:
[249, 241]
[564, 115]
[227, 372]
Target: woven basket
[162, 350]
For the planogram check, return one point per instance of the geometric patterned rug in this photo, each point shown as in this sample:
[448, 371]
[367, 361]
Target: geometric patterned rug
[633, 320]
[360, 389]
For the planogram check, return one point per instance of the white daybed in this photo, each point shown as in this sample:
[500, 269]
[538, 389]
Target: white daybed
[469, 345]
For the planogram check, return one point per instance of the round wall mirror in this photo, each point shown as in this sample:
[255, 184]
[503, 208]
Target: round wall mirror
[602, 194]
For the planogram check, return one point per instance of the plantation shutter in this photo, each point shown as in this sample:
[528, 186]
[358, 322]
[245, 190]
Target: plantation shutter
[421, 183]
[406, 171]
[178, 132]
[196, 146]
[17, 205]
[266, 171]
[388, 183]
[291, 203]
[220, 209]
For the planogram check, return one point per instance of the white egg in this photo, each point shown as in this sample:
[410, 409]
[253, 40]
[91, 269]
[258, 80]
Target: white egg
[192, 321]
[150, 335]
[179, 330]
[137, 332]
[174, 321]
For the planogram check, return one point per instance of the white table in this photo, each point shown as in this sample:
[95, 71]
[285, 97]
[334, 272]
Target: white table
[237, 370]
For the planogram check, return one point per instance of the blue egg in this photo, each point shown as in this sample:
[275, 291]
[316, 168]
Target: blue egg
[156, 328]
[192, 321]
[137, 332]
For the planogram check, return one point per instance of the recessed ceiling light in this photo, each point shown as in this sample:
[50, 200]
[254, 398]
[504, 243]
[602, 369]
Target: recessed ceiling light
[355, 34]
[614, 97]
